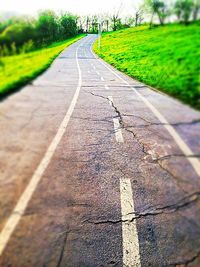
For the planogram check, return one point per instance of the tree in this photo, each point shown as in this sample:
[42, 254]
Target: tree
[115, 18]
[196, 9]
[47, 26]
[105, 19]
[80, 24]
[157, 7]
[183, 10]
[107, 25]
[87, 24]
[68, 24]
[94, 23]
[128, 22]
[138, 17]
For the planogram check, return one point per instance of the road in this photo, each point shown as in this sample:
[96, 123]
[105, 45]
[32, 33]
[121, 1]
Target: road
[97, 169]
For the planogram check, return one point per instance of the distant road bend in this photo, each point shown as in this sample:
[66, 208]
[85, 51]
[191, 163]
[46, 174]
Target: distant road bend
[97, 170]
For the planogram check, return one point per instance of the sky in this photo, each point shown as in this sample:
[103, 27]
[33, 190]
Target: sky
[81, 7]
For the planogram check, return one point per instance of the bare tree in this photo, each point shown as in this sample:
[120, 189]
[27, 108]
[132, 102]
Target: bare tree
[107, 25]
[105, 21]
[94, 23]
[196, 9]
[87, 24]
[115, 17]
[157, 7]
[138, 17]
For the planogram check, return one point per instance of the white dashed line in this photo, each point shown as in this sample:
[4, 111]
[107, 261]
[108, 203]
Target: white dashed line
[106, 86]
[110, 100]
[118, 131]
[131, 255]
[102, 78]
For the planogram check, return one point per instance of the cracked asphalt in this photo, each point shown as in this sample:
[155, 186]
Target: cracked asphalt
[74, 217]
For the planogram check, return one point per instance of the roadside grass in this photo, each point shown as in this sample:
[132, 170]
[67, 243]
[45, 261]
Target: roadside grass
[18, 70]
[167, 58]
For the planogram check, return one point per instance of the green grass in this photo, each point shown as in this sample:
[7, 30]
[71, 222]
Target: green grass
[167, 58]
[18, 70]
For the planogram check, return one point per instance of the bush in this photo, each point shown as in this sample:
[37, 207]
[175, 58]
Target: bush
[18, 33]
[27, 47]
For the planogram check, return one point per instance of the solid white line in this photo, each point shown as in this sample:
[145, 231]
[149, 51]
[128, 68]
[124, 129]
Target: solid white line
[22, 203]
[131, 254]
[118, 132]
[177, 138]
[106, 86]
[110, 100]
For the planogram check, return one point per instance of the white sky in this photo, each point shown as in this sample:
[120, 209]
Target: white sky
[75, 6]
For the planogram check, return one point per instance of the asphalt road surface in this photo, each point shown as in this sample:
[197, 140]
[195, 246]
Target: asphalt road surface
[97, 170]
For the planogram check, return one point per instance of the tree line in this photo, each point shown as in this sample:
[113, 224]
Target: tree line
[184, 10]
[22, 34]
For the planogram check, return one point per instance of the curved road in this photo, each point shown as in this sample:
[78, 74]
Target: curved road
[97, 170]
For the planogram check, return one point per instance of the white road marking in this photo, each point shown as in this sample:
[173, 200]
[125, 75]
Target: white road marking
[131, 254]
[110, 100]
[106, 86]
[88, 71]
[102, 78]
[177, 138]
[118, 131]
[180, 142]
[22, 203]
[97, 72]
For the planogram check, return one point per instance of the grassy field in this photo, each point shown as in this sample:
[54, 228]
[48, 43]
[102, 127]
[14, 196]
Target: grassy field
[16, 71]
[166, 58]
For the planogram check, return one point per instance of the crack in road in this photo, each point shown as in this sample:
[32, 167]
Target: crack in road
[185, 202]
[32, 115]
[62, 248]
[141, 143]
[196, 121]
[152, 211]
[186, 263]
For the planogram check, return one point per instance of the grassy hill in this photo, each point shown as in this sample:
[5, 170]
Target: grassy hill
[167, 58]
[17, 70]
